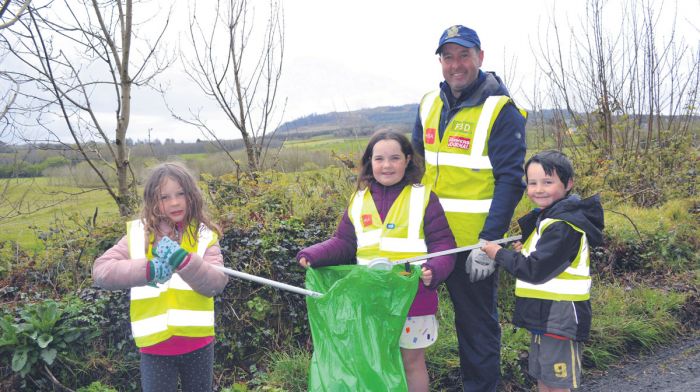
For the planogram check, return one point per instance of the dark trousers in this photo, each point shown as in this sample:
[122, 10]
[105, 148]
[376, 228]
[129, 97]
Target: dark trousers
[478, 330]
[159, 373]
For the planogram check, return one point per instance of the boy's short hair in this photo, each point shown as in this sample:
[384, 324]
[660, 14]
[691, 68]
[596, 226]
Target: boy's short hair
[553, 161]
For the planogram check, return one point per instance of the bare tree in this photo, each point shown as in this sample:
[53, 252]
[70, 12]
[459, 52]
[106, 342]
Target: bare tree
[623, 97]
[238, 67]
[9, 16]
[621, 90]
[85, 65]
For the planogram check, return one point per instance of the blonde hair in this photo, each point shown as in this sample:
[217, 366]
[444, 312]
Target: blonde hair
[195, 214]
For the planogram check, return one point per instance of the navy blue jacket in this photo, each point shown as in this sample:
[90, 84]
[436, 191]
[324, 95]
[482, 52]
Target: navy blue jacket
[506, 147]
[556, 250]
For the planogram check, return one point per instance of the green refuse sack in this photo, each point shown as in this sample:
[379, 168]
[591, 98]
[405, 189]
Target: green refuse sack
[356, 326]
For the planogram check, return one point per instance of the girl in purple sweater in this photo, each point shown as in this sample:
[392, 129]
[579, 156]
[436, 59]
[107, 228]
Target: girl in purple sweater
[391, 173]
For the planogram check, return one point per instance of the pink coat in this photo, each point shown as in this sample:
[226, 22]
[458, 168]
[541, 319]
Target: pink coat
[114, 270]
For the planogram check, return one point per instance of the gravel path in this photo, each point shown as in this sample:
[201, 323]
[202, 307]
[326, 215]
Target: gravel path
[675, 368]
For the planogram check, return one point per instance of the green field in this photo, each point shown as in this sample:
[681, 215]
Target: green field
[339, 145]
[28, 205]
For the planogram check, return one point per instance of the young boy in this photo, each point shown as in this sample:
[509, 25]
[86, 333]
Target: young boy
[552, 270]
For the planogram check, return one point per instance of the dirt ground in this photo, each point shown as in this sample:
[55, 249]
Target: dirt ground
[675, 368]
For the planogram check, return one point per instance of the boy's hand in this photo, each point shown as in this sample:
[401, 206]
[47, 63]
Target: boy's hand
[517, 246]
[490, 249]
[304, 263]
[426, 276]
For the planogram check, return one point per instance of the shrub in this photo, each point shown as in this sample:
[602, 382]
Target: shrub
[43, 332]
[96, 387]
[287, 370]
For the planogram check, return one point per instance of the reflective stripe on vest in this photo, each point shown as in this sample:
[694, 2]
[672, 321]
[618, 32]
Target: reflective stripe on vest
[171, 308]
[574, 284]
[457, 165]
[401, 233]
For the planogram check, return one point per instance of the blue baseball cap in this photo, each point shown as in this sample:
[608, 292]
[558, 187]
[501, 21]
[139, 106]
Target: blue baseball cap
[460, 35]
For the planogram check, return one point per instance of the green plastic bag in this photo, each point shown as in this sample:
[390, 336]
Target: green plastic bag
[356, 326]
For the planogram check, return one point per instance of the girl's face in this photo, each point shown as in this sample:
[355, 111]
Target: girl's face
[544, 189]
[172, 201]
[388, 162]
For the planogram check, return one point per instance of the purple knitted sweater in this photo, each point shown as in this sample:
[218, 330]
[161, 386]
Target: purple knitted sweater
[342, 247]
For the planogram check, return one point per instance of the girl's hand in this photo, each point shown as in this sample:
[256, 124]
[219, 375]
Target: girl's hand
[517, 246]
[490, 249]
[304, 263]
[426, 276]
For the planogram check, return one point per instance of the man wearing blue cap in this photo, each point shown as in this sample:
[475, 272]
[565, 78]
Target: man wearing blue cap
[472, 137]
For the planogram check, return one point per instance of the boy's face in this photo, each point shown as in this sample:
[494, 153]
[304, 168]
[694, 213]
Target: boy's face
[544, 189]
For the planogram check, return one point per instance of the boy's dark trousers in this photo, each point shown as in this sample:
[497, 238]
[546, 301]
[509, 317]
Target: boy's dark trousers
[478, 330]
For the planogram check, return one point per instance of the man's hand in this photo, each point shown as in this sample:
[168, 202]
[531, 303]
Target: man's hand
[479, 266]
[304, 263]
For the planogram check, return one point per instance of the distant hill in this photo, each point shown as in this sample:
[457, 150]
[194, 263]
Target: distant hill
[357, 122]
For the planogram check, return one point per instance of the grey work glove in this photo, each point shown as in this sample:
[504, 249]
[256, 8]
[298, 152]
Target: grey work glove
[479, 266]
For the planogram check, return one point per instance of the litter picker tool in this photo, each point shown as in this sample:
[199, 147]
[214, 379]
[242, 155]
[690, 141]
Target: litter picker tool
[383, 263]
[268, 282]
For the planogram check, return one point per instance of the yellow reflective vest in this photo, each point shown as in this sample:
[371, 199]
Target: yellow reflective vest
[457, 166]
[400, 235]
[172, 308]
[574, 284]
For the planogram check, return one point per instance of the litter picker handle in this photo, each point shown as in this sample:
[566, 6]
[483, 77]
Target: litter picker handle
[455, 250]
[268, 282]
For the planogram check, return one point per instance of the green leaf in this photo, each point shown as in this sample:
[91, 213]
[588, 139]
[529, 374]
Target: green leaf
[49, 355]
[19, 359]
[71, 336]
[44, 340]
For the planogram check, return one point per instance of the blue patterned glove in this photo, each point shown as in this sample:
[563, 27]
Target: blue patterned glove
[171, 251]
[165, 248]
[159, 270]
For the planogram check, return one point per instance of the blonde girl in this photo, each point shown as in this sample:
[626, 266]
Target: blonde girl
[167, 259]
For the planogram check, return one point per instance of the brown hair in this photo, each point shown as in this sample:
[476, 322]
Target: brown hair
[414, 170]
[195, 215]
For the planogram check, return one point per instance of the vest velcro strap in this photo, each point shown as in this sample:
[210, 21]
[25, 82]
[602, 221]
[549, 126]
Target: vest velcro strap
[173, 317]
[466, 206]
[403, 245]
[480, 162]
[368, 238]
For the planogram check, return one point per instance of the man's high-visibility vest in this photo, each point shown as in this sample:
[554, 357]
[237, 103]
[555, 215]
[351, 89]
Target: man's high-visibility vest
[172, 308]
[400, 235]
[457, 165]
[574, 284]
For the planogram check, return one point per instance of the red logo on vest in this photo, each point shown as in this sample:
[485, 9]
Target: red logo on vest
[459, 142]
[430, 136]
[366, 220]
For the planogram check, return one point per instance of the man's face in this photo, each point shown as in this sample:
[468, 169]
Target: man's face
[460, 66]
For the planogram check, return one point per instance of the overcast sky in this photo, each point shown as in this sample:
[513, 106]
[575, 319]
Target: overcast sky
[350, 54]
